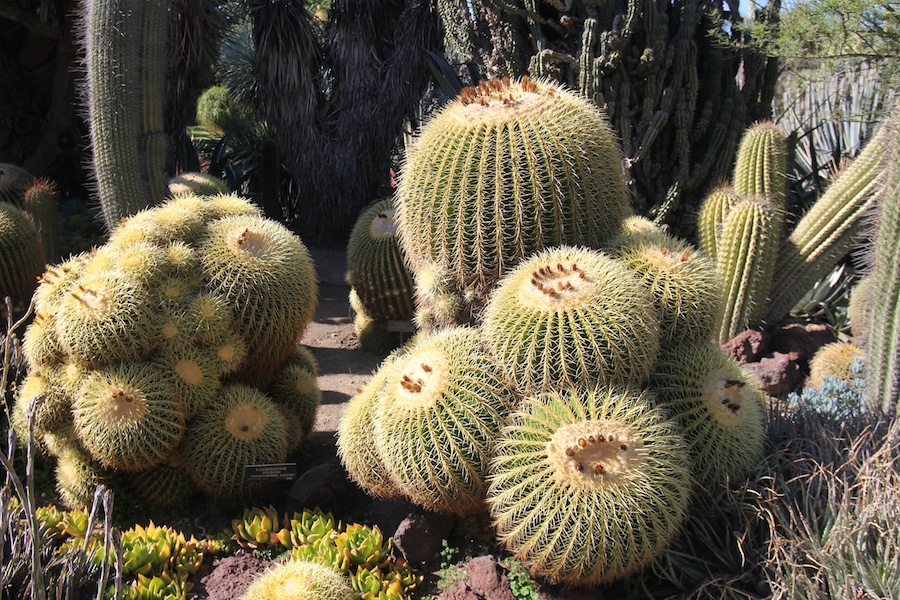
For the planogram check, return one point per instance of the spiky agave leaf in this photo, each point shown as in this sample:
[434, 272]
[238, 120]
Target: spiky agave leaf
[588, 485]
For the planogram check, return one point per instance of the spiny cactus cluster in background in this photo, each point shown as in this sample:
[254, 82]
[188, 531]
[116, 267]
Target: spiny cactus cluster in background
[587, 399]
[167, 359]
[359, 554]
[508, 168]
[381, 286]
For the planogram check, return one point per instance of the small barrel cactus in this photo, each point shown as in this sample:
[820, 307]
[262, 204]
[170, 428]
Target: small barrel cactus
[587, 486]
[300, 580]
[41, 203]
[436, 418]
[572, 316]
[505, 170]
[21, 254]
[833, 360]
[719, 407]
[14, 180]
[202, 184]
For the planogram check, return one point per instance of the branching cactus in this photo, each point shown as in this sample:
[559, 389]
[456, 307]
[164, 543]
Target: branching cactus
[507, 169]
[761, 167]
[834, 225]
[883, 340]
[748, 248]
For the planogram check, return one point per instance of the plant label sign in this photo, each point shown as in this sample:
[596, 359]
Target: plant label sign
[271, 472]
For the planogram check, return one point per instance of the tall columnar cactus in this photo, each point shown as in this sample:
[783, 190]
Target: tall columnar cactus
[829, 230]
[436, 418]
[761, 166]
[125, 58]
[859, 308]
[748, 248]
[713, 211]
[572, 316]
[21, 255]
[508, 168]
[883, 341]
[588, 485]
[41, 203]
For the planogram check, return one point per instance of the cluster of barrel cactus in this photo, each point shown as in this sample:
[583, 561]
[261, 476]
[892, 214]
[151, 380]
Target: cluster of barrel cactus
[167, 359]
[576, 392]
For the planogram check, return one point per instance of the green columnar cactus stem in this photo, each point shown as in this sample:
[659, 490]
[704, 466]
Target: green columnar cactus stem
[713, 211]
[825, 234]
[125, 62]
[14, 180]
[761, 167]
[21, 255]
[266, 274]
[588, 485]
[300, 580]
[883, 343]
[859, 309]
[41, 203]
[833, 360]
[507, 169]
[376, 269]
[354, 439]
[748, 248]
[243, 427]
[572, 316]
[682, 282]
[436, 419]
[127, 418]
[719, 407]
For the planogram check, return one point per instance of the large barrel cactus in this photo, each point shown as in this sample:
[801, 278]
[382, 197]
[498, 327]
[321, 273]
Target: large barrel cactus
[173, 350]
[508, 168]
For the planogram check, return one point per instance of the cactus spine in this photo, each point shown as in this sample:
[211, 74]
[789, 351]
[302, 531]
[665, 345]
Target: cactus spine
[505, 170]
[572, 316]
[833, 360]
[125, 56]
[300, 580]
[828, 230]
[588, 485]
[761, 166]
[40, 202]
[748, 249]
[21, 255]
[883, 341]
[712, 213]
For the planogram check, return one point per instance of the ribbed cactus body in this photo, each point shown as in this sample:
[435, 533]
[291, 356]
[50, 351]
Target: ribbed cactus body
[296, 393]
[883, 342]
[266, 274]
[300, 580]
[833, 360]
[507, 169]
[127, 418]
[14, 180]
[373, 334]
[21, 254]
[761, 164]
[40, 345]
[713, 211]
[719, 408]
[57, 281]
[52, 412]
[829, 230]
[41, 203]
[105, 320]
[125, 59]
[192, 374]
[748, 249]
[166, 486]
[77, 478]
[859, 309]
[436, 419]
[682, 282]
[569, 317]
[588, 485]
[355, 439]
[202, 184]
[376, 269]
[243, 427]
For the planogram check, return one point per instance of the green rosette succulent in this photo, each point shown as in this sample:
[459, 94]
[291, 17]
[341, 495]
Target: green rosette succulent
[587, 486]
